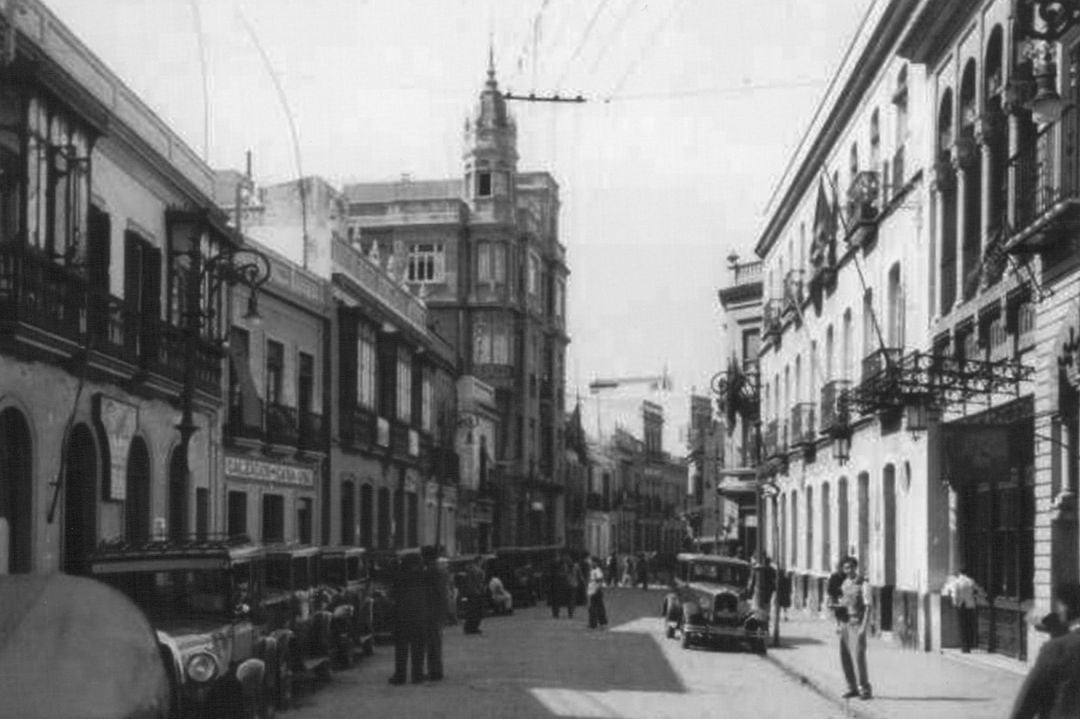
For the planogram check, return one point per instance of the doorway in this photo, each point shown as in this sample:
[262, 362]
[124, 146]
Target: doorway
[16, 493]
[80, 499]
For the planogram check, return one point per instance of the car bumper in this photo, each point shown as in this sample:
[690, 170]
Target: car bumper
[712, 631]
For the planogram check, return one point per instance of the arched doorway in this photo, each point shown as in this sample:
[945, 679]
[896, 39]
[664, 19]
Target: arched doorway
[16, 493]
[80, 499]
[178, 495]
[137, 498]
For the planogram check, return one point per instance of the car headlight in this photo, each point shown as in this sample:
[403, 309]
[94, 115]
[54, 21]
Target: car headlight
[202, 667]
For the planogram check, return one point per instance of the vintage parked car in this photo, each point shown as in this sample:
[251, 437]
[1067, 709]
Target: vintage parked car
[202, 598]
[711, 603]
[381, 565]
[343, 572]
[72, 646]
[295, 600]
[523, 571]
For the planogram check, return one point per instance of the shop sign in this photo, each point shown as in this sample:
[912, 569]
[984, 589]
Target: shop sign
[119, 420]
[257, 469]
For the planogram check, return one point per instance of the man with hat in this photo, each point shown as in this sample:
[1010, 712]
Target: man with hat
[1052, 687]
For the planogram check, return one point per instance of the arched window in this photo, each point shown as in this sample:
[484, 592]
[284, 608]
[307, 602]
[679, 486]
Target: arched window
[971, 165]
[853, 164]
[829, 351]
[802, 246]
[997, 135]
[875, 140]
[846, 346]
[366, 513]
[896, 307]
[869, 329]
[798, 396]
[812, 372]
[947, 197]
[900, 102]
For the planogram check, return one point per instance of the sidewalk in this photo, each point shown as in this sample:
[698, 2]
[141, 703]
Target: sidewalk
[928, 685]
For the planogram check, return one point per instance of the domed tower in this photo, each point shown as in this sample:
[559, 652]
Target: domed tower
[491, 154]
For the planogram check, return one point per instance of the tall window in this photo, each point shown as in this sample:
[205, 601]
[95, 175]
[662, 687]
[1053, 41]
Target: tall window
[846, 346]
[751, 343]
[10, 165]
[560, 299]
[869, 324]
[365, 367]
[237, 513]
[972, 199]
[829, 351]
[427, 262]
[58, 182]
[798, 397]
[142, 289]
[900, 102]
[275, 371]
[533, 275]
[896, 308]
[491, 343]
[875, 140]
[426, 398]
[305, 383]
[483, 184]
[948, 199]
[404, 387]
[491, 262]
[273, 518]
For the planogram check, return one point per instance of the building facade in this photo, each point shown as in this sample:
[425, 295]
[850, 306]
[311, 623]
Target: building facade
[103, 212]
[484, 253]
[916, 357]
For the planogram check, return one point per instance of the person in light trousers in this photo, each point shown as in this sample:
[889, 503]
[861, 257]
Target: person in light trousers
[595, 592]
[853, 614]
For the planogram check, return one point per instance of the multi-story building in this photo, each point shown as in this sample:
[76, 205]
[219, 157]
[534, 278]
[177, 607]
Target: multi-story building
[275, 438]
[919, 330]
[484, 253]
[478, 430]
[599, 535]
[393, 471]
[739, 434]
[104, 214]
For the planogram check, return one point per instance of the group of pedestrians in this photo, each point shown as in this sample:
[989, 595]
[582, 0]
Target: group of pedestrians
[418, 595]
[569, 579]
[634, 570]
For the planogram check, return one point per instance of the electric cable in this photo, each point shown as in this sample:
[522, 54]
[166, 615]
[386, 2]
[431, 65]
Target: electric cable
[581, 43]
[650, 41]
[721, 90]
[199, 36]
[627, 14]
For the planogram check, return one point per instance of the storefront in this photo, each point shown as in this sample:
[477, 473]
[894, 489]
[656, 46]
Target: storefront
[270, 501]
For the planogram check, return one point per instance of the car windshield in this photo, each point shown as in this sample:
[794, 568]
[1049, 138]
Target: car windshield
[177, 593]
[718, 573]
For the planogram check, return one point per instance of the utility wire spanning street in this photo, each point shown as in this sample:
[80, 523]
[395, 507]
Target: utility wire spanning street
[531, 665]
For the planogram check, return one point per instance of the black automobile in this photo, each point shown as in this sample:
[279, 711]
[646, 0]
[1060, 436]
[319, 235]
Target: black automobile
[295, 600]
[343, 573]
[711, 604]
[203, 600]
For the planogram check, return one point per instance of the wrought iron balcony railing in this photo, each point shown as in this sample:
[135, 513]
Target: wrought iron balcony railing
[803, 431]
[39, 293]
[835, 413]
[880, 361]
[1046, 175]
[239, 427]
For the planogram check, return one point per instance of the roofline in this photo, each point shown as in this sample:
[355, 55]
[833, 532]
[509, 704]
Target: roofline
[879, 46]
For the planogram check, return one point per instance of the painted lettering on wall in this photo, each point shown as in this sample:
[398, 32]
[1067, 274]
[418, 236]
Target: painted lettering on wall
[247, 468]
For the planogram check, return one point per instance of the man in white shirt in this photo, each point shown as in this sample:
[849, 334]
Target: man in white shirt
[964, 593]
[504, 603]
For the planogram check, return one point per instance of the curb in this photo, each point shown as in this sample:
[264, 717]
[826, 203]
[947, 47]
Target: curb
[850, 709]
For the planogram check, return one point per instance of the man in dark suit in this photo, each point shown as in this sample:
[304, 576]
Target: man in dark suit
[1052, 687]
[410, 595]
[435, 587]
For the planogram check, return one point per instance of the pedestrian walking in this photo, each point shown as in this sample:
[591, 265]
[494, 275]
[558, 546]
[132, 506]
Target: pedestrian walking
[628, 571]
[833, 591]
[435, 585]
[612, 569]
[473, 589]
[559, 596]
[595, 592]
[855, 601]
[410, 605]
[783, 593]
[964, 593]
[642, 565]
[1052, 687]
[762, 583]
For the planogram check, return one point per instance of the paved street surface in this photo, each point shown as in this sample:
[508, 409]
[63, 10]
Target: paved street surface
[530, 665]
[906, 683]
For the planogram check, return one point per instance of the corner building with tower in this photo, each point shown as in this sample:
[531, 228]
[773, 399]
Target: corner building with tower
[483, 252]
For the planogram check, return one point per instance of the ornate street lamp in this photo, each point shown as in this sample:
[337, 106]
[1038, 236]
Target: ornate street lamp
[203, 280]
[841, 447]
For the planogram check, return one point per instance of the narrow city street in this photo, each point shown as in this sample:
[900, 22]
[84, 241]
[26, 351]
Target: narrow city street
[531, 665]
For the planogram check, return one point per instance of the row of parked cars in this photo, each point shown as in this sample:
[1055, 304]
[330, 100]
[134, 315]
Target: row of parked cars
[239, 624]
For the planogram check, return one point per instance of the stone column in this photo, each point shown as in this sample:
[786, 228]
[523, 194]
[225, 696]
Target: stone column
[943, 178]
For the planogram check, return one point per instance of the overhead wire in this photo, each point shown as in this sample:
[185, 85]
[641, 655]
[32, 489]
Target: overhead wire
[648, 45]
[628, 12]
[199, 38]
[721, 90]
[581, 43]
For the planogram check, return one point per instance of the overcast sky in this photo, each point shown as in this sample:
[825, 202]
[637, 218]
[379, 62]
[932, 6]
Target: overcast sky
[693, 109]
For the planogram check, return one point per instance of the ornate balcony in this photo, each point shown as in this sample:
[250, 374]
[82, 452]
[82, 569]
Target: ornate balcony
[357, 427]
[835, 414]
[775, 439]
[880, 361]
[237, 427]
[1046, 174]
[803, 432]
[41, 302]
[863, 208]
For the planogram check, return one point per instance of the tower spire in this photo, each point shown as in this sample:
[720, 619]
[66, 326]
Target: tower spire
[491, 56]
